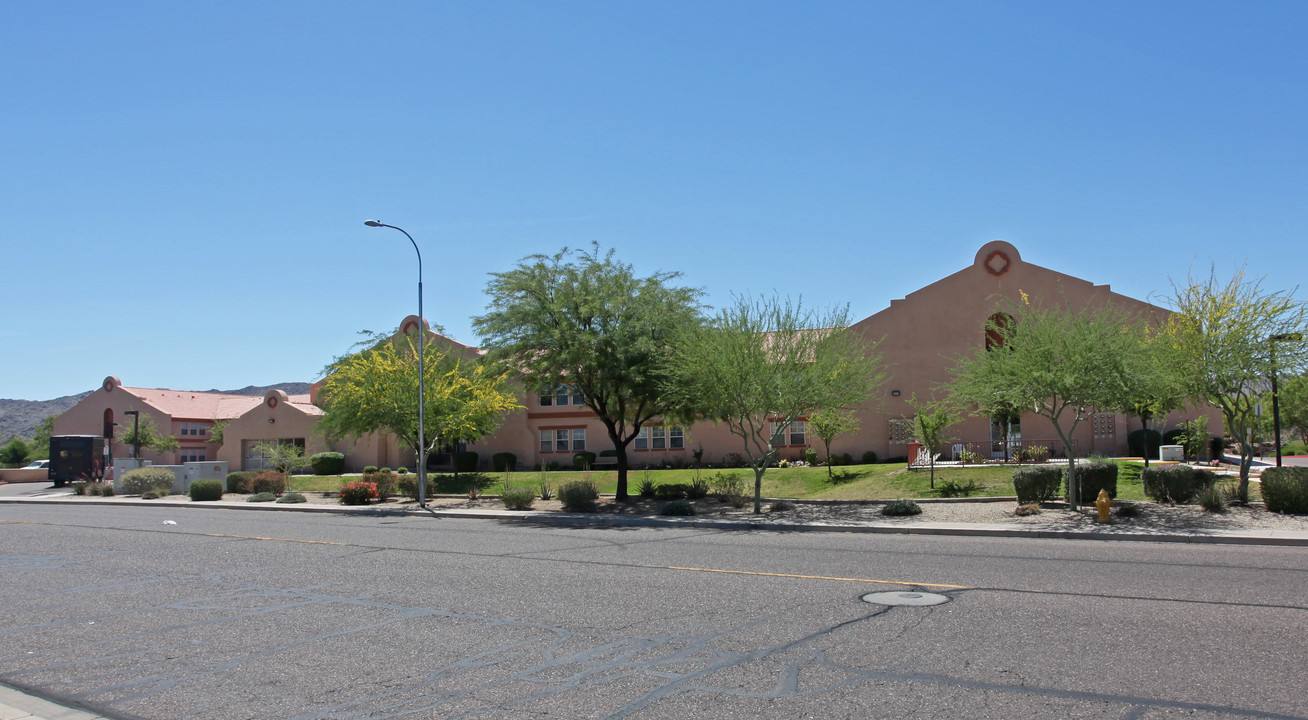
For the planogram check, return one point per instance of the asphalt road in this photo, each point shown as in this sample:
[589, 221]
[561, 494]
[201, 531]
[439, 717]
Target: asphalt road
[229, 614]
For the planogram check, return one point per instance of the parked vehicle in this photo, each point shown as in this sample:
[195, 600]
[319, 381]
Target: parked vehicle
[37, 465]
[76, 458]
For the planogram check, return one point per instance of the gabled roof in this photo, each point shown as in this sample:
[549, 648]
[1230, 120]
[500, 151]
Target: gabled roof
[196, 405]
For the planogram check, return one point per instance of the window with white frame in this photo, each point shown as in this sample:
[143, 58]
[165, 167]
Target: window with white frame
[661, 437]
[547, 441]
[191, 455]
[578, 439]
[546, 397]
[561, 396]
[901, 431]
[799, 433]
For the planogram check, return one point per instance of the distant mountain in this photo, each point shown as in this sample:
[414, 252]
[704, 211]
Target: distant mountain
[20, 417]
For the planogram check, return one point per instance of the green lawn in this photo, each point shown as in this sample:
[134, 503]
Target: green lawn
[885, 481]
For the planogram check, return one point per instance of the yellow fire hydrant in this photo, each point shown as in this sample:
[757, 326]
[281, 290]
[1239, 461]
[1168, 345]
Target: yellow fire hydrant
[1104, 503]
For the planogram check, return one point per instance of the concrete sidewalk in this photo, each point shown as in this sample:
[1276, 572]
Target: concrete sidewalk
[18, 705]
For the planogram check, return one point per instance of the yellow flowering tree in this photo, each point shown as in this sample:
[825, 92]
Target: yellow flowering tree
[1227, 339]
[376, 390]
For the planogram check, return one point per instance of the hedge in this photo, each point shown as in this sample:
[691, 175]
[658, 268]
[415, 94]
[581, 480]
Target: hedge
[1093, 476]
[148, 479]
[465, 461]
[583, 460]
[1285, 489]
[206, 489]
[328, 463]
[239, 482]
[1175, 483]
[504, 461]
[1037, 484]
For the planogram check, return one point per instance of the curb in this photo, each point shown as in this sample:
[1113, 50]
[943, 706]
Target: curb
[18, 705]
[1269, 538]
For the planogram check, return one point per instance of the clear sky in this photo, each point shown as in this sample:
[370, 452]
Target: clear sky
[183, 185]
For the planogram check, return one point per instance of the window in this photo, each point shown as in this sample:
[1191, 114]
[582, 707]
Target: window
[191, 455]
[193, 429]
[578, 439]
[661, 437]
[1104, 425]
[547, 441]
[901, 431]
[561, 440]
[546, 397]
[798, 430]
[561, 395]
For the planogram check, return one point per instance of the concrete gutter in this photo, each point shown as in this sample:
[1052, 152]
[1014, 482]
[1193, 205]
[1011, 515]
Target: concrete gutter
[993, 530]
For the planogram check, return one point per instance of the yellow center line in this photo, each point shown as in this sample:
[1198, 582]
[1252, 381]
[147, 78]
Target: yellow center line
[820, 577]
[255, 537]
[20, 522]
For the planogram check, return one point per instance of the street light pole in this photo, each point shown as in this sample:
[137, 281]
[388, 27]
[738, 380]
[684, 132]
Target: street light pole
[422, 350]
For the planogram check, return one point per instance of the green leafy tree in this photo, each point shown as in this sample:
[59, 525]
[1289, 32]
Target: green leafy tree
[376, 390]
[762, 363]
[40, 446]
[586, 320]
[14, 453]
[827, 424]
[285, 455]
[1293, 394]
[216, 431]
[1061, 363]
[145, 434]
[1221, 336]
[1155, 387]
[930, 421]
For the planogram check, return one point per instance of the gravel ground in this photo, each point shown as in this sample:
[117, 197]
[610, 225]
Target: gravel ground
[1054, 516]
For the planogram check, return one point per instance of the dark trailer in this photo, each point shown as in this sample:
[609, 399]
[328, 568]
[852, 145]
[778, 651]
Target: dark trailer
[76, 458]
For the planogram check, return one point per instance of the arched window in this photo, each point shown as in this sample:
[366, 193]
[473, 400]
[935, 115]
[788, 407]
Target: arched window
[109, 422]
[996, 328]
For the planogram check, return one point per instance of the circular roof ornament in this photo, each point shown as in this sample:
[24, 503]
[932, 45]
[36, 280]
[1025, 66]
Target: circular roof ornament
[997, 263]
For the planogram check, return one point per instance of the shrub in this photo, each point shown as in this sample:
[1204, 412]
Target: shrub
[901, 507]
[205, 490]
[579, 496]
[327, 463]
[545, 489]
[386, 481]
[672, 491]
[781, 506]
[140, 481]
[870, 457]
[1093, 476]
[1173, 436]
[967, 457]
[1291, 448]
[810, 456]
[647, 488]
[583, 460]
[1175, 483]
[369, 469]
[268, 481]
[677, 507]
[1033, 454]
[239, 482]
[1037, 484]
[1135, 442]
[261, 497]
[950, 488]
[465, 461]
[407, 485]
[1212, 498]
[504, 462]
[699, 488]
[1028, 509]
[93, 489]
[384, 470]
[1216, 447]
[401, 470]
[734, 460]
[292, 498]
[1285, 490]
[728, 486]
[359, 492]
[517, 498]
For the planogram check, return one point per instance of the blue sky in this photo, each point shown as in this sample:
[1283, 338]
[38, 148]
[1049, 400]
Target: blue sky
[183, 185]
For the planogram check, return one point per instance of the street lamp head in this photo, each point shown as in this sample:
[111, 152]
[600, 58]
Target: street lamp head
[373, 223]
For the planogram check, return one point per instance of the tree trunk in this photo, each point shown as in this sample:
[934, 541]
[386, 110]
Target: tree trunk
[621, 453]
[758, 488]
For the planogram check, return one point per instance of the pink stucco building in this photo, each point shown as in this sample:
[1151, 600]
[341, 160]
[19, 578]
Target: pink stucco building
[918, 337]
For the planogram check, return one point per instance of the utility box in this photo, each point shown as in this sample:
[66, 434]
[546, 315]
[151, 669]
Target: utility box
[76, 458]
[209, 470]
[1175, 453]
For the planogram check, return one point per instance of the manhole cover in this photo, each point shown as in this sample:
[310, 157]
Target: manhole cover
[905, 598]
